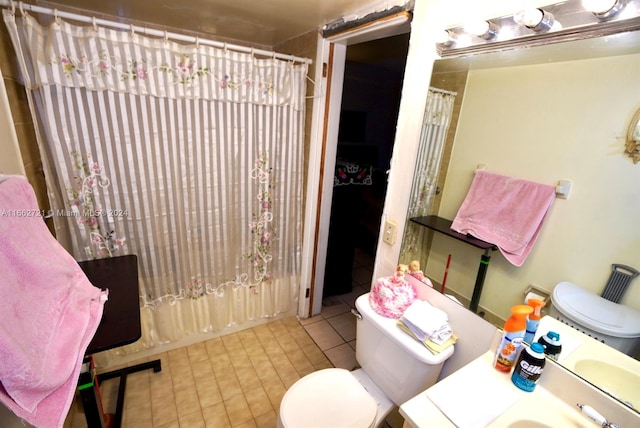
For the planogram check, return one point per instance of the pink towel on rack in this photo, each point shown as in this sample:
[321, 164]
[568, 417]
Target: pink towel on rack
[505, 211]
[50, 312]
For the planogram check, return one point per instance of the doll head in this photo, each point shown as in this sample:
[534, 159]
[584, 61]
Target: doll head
[414, 266]
[402, 269]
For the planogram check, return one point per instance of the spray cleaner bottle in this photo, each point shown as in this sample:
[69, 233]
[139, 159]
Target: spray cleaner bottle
[512, 338]
[533, 320]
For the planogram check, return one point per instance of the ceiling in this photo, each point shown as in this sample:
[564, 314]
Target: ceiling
[261, 23]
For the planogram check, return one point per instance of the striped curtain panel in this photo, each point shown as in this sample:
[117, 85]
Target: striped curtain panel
[189, 157]
[435, 125]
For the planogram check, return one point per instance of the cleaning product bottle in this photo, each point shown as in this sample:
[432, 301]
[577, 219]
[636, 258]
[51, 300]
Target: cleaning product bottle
[529, 367]
[533, 321]
[512, 338]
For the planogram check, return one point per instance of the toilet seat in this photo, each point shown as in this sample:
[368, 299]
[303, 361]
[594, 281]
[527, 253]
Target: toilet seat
[595, 312]
[328, 398]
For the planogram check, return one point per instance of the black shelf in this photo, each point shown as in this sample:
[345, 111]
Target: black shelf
[442, 225]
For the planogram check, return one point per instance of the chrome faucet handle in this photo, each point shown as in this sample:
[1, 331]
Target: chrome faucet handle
[593, 414]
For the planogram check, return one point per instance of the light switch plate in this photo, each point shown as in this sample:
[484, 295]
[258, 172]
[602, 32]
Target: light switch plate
[389, 232]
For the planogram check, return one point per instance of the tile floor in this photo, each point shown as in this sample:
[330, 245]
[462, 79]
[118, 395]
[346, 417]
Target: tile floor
[238, 380]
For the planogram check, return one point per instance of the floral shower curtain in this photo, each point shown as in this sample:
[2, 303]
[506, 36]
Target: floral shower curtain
[189, 157]
[435, 125]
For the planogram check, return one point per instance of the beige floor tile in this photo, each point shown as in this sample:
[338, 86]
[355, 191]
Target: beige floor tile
[193, 420]
[215, 347]
[187, 402]
[275, 391]
[345, 325]
[299, 360]
[266, 371]
[324, 335]
[221, 364]
[311, 320]
[216, 416]
[169, 424]
[314, 354]
[238, 410]
[268, 420]
[232, 342]
[249, 424]
[229, 385]
[182, 378]
[258, 401]
[163, 407]
[208, 393]
[197, 353]
[248, 378]
[139, 416]
[342, 356]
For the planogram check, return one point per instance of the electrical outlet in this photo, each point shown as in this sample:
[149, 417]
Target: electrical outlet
[389, 232]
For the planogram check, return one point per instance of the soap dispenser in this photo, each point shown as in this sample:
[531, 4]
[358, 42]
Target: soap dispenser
[512, 338]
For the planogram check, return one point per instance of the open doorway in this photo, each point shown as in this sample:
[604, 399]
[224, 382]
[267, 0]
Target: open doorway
[373, 78]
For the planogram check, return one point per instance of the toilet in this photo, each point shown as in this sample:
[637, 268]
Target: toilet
[394, 369]
[612, 323]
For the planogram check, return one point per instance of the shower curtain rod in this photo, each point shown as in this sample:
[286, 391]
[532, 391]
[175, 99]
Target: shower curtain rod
[442, 91]
[148, 31]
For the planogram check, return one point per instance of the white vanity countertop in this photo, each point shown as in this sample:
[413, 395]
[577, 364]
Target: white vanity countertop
[479, 395]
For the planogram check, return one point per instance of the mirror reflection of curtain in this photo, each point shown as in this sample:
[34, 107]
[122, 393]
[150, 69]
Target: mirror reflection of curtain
[188, 156]
[435, 125]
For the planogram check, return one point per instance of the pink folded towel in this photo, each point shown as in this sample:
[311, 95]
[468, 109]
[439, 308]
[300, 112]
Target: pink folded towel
[505, 211]
[50, 312]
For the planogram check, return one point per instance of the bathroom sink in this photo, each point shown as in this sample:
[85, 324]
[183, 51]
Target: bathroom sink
[529, 424]
[621, 383]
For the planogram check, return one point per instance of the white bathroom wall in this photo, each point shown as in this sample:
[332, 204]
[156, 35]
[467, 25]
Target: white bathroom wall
[544, 123]
[10, 161]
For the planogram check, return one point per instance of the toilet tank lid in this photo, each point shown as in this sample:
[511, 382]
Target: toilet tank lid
[595, 312]
[389, 327]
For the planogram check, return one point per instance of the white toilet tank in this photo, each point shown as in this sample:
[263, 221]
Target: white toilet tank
[400, 365]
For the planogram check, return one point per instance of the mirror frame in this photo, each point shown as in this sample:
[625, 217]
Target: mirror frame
[632, 146]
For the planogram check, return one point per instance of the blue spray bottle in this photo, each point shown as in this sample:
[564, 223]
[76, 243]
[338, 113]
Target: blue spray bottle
[533, 320]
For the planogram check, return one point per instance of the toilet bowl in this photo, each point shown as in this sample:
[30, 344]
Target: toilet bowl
[612, 323]
[394, 368]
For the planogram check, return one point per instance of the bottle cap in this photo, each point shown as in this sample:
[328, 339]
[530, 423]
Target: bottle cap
[537, 306]
[537, 348]
[553, 337]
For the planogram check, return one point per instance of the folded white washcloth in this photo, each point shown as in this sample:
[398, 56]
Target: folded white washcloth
[427, 322]
[442, 334]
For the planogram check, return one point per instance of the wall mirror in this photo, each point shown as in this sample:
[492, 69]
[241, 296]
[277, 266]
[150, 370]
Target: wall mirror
[545, 113]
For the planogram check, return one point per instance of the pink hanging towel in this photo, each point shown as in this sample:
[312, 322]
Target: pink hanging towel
[505, 211]
[50, 312]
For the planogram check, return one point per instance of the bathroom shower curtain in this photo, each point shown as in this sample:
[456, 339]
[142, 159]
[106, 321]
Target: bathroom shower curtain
[189, 157]
[435, 125]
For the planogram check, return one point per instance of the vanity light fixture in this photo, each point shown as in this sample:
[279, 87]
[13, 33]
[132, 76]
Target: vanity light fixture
[604, 9]
[565, 20]
[537, 20]
[486, 30]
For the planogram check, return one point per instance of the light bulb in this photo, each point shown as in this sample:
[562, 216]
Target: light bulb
[483, 29]
[445, 38]
[535, 19]
[603, 8]
[528, 17]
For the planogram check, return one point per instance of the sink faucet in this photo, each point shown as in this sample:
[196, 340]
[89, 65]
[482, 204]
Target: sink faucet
[591, 413]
